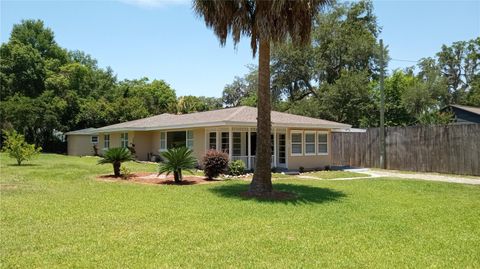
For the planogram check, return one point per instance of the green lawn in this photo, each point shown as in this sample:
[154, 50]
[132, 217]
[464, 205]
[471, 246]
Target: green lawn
[335, 174]
[55, 214]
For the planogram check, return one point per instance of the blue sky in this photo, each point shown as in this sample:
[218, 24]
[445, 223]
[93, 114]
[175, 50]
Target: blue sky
[165, 40]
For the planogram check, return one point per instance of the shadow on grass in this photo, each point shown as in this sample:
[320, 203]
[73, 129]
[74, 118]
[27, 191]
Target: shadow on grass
[23, 164]
[303, 194]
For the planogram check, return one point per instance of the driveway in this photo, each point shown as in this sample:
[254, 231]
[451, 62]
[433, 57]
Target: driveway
[377, 173]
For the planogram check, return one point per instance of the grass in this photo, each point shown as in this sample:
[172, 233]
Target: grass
[54, 213]
[335, 174]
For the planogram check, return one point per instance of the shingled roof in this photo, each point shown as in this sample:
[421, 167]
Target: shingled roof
[472, 109]
[239, 116]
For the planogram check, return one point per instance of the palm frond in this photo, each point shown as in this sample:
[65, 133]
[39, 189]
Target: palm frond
[116, 155]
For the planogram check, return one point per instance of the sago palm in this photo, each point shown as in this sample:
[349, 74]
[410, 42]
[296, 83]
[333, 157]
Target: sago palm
[264, 22]
[116, 156]
[176, 160]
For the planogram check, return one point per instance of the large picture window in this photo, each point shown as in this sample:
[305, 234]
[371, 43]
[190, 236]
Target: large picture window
[176, 139]
[322, 141]
[296, 141]
[124, 140]
[309, 143]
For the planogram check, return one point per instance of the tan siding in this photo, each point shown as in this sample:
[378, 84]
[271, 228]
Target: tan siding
[199, 143]
[308, 161]
[79, 145]
[143, 144]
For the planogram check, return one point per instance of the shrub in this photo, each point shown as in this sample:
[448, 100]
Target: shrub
[116, 156]
[215, 163]
[236, 168]
[125, 172]
[18, 148]
[301, 169]
[176, 160]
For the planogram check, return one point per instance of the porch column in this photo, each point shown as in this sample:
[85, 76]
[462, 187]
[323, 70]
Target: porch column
[249, 165]
[230, 143]
[207, 140]
[274, 147]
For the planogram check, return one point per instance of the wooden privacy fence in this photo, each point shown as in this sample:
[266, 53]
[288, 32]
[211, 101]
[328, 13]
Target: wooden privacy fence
[445, 149]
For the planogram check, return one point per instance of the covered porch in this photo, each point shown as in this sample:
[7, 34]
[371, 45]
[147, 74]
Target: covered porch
[240, 144]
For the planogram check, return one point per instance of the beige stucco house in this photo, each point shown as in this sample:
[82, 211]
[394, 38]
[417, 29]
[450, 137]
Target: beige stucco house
[297, 141]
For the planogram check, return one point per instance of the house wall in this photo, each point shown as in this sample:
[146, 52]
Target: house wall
[79, 145]
[143, 144]
[114, 140]
[147, 142]
[307, 161]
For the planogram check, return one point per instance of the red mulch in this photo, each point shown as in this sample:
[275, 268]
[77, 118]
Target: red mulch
[152, 178]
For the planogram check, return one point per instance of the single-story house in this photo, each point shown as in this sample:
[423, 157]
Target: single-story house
[297, 141]
[464, 114]
[82, 142]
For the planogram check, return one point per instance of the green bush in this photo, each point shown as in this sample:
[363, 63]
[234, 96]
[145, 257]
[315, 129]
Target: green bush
[17, 148]
[116, 156]
[176, 160]
[236, 168]
[125, 172]
[215, 163]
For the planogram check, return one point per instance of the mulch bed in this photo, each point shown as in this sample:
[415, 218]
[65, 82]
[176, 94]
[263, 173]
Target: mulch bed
[153, 178]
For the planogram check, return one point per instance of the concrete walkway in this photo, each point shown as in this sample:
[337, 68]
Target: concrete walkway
[398, 174]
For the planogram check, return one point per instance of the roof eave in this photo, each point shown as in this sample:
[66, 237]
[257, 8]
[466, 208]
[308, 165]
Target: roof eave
[222, 123]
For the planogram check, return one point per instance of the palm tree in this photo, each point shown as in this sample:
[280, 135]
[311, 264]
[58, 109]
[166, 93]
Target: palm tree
[116, 156]
[264, 22]
[176, 160]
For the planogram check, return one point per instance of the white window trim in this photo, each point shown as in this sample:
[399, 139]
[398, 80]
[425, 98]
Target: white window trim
[318, 142]
[104, 146]
[160, 146]
[314, 143]
[189, 140]
[210, 142]
[291, 142]
[123, 140]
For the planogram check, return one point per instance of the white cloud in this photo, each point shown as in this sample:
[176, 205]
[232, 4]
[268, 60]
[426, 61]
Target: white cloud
[155, 3]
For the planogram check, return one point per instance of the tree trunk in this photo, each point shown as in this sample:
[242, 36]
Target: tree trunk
[116, 168]
[262, 177]
[177, 176]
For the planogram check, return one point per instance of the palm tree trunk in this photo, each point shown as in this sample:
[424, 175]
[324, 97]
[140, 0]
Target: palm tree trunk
[262, 177]
[177, 176]
[116, 168]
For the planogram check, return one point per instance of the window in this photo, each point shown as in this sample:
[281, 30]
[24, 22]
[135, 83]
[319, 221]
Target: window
[124, 140]
[94, 139]
[237, 144]
[163, 141]
[296, 140]
[322, 140]
[190, 139]
[106, 141]
[212, 140]
[225, 144]
[176, 139]
[309, 143]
